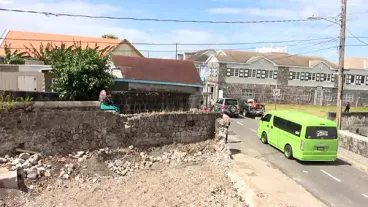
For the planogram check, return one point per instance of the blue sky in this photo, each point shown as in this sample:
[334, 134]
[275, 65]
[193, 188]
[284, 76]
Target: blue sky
[165, 32]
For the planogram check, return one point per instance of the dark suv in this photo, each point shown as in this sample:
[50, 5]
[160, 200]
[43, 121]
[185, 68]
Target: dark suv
[229, 105]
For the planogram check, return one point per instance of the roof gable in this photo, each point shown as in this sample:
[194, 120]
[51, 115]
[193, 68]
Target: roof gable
[154, 69]
[259, 58]
[19, 40]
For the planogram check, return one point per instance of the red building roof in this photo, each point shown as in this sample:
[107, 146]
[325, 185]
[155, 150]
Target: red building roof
[154, 69]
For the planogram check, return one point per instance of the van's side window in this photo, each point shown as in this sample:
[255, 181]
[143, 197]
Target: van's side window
[287, 126]
[267, 118]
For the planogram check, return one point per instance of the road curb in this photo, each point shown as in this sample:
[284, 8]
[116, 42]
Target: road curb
[354, 163]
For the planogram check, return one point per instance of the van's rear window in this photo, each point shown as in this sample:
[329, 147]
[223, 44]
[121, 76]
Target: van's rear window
[319, 132]
[231, 102]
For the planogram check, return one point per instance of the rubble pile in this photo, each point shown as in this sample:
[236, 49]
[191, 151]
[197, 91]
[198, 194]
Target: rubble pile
[123, 167]
[27, 165]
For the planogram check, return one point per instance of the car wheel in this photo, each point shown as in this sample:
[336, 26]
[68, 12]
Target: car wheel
[264, 139]
[288, 151]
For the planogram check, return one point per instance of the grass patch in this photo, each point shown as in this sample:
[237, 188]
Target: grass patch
[320, 111]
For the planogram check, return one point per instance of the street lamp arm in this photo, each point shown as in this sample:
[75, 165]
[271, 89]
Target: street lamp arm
[323, 18]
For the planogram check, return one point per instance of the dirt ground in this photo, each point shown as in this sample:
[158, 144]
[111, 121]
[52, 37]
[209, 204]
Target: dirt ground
[175, 175]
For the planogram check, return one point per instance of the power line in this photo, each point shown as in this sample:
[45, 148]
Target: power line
[153, 19]
[357, 38]
[173, 44]
[193, 50]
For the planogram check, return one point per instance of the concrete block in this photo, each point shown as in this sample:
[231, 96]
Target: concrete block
[8, 179]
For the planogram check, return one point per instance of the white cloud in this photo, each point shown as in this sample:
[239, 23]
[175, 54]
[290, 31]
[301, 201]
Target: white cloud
[68, 25]
[5, 2]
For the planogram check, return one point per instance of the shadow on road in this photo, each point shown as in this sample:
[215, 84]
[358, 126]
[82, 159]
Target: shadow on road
[338, 162]
[235, 151]
[233, 142]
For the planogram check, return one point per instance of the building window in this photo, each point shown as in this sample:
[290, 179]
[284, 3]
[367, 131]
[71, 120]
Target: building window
[236, 72]
[246, 73]
[302, 76]
[275, 74]
[254, 73]
[349, 79]
[291, 75]
[362, 80]
[241, 73]
[298, 75]
[327, 96]
[322, 78]
[348, 97]
[269, 74]
[313, 76]
[358, 79]
[259, 73]
[263, 74]
[307, 76]
[328, 79]
[248, 93]
[228, 72]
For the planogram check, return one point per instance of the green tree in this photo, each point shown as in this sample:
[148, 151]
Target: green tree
[15, 57]
[109, 36]
[80, 72]
[42, 53]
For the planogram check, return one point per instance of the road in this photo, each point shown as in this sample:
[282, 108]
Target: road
[335, 183]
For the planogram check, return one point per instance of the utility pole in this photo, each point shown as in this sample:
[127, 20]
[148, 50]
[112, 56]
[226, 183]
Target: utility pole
[176, 50]
[341, 64]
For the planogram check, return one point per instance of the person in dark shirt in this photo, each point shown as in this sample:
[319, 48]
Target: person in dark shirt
[347, 107]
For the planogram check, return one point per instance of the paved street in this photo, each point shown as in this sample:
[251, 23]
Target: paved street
[336, 183]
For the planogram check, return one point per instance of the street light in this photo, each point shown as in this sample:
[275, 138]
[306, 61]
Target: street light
[340, 84]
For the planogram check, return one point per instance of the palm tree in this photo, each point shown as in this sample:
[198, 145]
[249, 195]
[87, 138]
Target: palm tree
[16, 57]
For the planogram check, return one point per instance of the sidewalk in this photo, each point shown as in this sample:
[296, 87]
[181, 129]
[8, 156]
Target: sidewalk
[265, 185]
[355, 160]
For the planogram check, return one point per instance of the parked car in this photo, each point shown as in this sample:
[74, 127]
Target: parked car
[229, 105]
[250, 107]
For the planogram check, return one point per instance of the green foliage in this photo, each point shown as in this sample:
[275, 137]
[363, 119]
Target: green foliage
[80, 72]
[16, 57]
[42, 53]
[8, 103]
[109, 36]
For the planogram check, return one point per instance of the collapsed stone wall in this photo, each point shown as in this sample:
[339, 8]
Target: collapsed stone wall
[354, 143]
[64, 132]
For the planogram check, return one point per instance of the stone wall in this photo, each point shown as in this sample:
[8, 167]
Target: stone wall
[354, 143]
[355, 122]
[130, 102]
[62, 132]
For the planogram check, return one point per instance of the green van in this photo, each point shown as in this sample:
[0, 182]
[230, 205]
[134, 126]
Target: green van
[299, 135]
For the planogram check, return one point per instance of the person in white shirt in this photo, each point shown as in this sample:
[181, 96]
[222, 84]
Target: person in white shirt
[227, 120]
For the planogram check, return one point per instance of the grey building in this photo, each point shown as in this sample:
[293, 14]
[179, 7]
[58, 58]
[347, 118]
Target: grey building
[301, 79]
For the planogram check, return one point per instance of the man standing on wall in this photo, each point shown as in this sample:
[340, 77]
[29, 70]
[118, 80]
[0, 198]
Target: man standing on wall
[226, 118]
